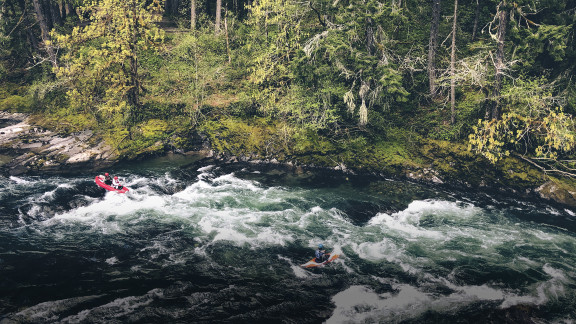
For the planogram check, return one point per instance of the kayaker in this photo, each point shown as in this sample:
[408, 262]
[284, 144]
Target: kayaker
[321, 254]
[107, 179]
[116, 183]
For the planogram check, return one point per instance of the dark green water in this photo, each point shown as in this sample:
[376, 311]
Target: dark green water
[206, 243]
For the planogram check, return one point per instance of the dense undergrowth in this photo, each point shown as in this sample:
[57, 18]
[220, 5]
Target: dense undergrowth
[312, 96]
[178, 108]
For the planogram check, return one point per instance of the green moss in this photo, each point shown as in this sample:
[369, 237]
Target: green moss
[154, 129]
[238, 137]
[16, 103]
[560, 190]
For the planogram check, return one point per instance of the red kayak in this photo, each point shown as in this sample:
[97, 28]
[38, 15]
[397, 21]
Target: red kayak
[100, 182]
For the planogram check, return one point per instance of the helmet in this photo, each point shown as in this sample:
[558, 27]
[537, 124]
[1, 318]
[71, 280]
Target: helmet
[116, 177]
[320, 246]
[106, 174]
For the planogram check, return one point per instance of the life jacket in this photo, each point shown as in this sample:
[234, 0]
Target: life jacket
[319, 256]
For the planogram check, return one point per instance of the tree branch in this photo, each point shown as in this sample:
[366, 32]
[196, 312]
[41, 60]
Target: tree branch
[318, 14]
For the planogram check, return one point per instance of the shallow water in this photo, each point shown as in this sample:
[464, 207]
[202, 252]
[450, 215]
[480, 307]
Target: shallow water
[194, 242]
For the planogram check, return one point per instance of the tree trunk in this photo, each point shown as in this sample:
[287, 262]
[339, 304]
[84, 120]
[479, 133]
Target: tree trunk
[452, 67]
[133, 77]
[2, 10]
[227, 39]
[69, 9]
[55, 14]
[44, 20]
[218, 16]
[369, 36]
[499, 63]
[432, 45]
[171, 7]
[193, 14]
[32, 40]
[476, 18]
[62, 9]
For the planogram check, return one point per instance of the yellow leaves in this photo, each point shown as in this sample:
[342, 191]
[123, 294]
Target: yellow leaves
[549, 135]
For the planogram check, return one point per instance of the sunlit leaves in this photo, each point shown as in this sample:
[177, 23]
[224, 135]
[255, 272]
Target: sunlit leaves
[534, 123]
[100, 58]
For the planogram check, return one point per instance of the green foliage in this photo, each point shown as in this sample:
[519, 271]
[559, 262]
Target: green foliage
[329, 82]
[188, 74]
[358, 56]
[64, 121]
[275, 37]
[239, 138]
[154, 128]
[533, 119]
[101, 57]
[16, 103]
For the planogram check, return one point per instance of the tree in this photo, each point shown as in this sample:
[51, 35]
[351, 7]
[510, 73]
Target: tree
[476, 18]
[47, 17]
[535, 121]
[502, 16]
[274, 39]
[453, 67]
[433, 45]
[218, 16]
[529, 114]
[193, 14]
[101, 58]
[4, 39]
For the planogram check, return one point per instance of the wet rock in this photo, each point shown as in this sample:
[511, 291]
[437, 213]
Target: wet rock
[426, 175]
[558, 193]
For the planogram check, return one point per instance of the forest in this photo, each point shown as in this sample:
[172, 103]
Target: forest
[349, 83]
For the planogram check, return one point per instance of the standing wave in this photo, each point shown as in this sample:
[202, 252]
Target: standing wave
[214, 245]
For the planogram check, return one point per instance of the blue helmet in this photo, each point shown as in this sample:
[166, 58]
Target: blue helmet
[320, 246]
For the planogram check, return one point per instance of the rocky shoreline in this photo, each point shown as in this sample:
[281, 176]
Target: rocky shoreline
[29, 149]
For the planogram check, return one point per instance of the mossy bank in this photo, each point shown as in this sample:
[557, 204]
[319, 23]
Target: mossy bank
[400, 155]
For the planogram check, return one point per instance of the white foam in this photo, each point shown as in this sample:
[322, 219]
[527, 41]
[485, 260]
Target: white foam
[48, 311]
[228, 209]
[117, 308]
[50, 194]
[112, 260]
[360, 304]
[299, 272]
[206, 168]
[19, 180]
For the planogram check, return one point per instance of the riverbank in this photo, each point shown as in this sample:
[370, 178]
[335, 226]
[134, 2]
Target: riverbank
[26, 147]
[31, 149]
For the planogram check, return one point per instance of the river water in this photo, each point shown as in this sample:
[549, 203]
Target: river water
[202, 243]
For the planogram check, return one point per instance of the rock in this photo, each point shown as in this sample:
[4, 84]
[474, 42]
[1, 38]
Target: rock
[37, 150]
[426, 175]
[558, 193]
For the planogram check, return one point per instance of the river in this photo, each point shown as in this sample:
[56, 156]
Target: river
[202, 242]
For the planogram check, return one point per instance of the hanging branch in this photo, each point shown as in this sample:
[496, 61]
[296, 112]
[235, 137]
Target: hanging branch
[551, 169]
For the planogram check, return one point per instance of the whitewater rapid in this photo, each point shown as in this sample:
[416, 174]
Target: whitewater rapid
[208, 243]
